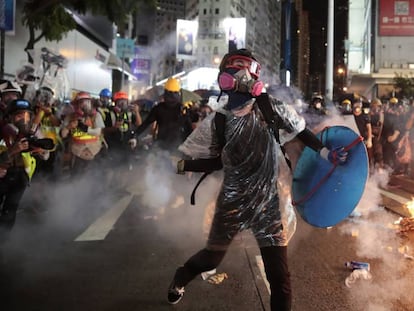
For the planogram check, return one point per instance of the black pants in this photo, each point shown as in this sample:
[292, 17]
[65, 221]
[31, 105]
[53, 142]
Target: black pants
[12, 187]
[275, 263]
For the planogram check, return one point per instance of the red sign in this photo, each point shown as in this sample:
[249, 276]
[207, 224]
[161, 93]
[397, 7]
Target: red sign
[396, 18]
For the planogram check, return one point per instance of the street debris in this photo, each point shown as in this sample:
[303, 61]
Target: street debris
[205, 275]
[353, 265]
[406, 225]
[357, 274]
[360, 270]
[217, 278]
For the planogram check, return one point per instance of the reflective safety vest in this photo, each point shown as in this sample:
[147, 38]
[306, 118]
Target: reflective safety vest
[79, 137]
[29, 161]
[126, 117]
[29, 164]
[84, 145]
[52, 133]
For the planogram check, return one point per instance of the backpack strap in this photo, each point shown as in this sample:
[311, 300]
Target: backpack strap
[220, 124]
[273, 120]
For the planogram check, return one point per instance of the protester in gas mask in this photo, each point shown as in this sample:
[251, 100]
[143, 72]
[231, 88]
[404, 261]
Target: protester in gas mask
[9, 90]
[121, 121]
[363, 122]
[316, 113]
[249, 153]
[82, 133]
[17, 163]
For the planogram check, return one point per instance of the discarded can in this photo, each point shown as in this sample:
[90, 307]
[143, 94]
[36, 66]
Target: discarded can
[353, 265]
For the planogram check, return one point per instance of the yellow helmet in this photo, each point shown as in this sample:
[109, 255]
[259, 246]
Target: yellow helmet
[172, 85]
[394, 100]
[346, 102]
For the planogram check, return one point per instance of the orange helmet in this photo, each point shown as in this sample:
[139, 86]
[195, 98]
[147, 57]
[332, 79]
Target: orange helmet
[120, 95]
[82, 95]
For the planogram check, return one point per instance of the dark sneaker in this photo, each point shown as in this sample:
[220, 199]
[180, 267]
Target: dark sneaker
[175, 294]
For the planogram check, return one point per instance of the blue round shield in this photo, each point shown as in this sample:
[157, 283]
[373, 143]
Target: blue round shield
[325, 194]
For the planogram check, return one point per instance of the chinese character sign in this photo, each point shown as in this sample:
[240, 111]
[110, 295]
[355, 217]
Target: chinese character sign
[396, 18]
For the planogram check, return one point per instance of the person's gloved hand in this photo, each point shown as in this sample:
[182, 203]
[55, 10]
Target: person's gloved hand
[337, 155]
[82, 126]
[132, 143]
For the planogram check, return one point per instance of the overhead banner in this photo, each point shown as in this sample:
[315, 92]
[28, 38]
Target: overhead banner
[396, 18]
[7, 15]
[236, 33]
[186, 34]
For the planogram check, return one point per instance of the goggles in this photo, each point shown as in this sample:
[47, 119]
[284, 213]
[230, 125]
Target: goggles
[241, 62]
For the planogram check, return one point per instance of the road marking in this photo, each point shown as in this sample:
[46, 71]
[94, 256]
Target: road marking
[101, 227]
[394, 196]
[259, 262]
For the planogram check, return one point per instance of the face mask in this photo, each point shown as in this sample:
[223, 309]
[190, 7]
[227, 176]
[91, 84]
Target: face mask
[240, 81]
[357, 109]
[23, 122]
[318, 105]
[346, 108]
[172, 97]
[122, 105]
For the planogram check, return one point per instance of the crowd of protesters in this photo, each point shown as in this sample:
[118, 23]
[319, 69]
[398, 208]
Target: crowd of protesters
[84, 135]
[385, 124]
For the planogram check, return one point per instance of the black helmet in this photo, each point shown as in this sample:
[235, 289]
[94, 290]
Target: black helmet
[241, 52]
[18, 105]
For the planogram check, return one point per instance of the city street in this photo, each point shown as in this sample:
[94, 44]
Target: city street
[113, 251]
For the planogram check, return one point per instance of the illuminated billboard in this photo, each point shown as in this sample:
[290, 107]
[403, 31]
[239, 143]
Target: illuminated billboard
[396, 18]
[186, 36]
[236, 33]
[7, 12]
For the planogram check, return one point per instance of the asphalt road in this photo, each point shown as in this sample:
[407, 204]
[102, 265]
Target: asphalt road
[89, 249]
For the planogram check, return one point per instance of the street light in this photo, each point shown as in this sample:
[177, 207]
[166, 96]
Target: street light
[341, 74]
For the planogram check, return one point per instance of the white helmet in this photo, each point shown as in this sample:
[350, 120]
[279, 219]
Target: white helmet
[10, 86]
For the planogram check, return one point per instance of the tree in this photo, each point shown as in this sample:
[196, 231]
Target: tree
[404, 86]
[52, 19]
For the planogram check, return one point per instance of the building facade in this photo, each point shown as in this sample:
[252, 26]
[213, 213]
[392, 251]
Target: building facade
[214, 23]
[379, 46]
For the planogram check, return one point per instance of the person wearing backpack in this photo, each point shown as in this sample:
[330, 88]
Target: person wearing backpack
[173, 125]
[253, 126]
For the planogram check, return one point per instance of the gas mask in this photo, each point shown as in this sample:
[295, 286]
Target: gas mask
[239, 80]
[357, 108]
[172, 97]
[121, 105]
[22, 120]
[104, 101]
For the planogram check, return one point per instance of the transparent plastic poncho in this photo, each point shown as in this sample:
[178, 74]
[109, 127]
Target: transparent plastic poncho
[253, 194]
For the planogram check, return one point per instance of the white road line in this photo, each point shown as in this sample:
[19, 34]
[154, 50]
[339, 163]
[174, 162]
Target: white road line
[395, 197]
[101, 227]
[259, 262]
